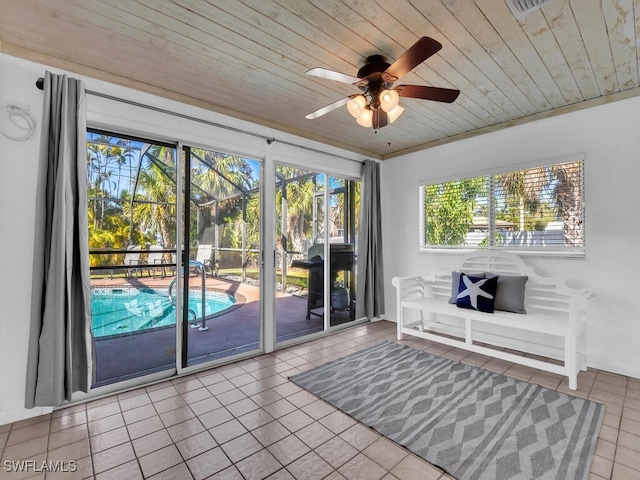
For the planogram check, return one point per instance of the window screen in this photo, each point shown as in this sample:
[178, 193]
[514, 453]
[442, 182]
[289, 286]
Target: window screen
[537, 208]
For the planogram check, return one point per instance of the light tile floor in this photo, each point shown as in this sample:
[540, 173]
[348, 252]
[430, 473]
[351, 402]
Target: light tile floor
[247, 421]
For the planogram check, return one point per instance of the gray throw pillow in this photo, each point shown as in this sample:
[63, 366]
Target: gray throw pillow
[510, 292]
[455, 284]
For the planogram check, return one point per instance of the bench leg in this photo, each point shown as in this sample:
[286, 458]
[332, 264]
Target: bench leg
[571, 361]
[582, 360]
[582, 354]
[399, 334]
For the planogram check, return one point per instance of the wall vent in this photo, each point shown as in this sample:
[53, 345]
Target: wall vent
[522, 7]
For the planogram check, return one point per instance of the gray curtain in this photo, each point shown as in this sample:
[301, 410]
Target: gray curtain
[370, 276]
[60, 343]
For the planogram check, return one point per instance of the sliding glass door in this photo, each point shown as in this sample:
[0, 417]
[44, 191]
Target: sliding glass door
[132, 237]
[177, 277]
[344, 208]
[222, 264]
[299, 274]
[315, 251]
[144, 305]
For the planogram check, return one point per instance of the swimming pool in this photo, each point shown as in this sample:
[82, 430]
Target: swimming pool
[117, 311]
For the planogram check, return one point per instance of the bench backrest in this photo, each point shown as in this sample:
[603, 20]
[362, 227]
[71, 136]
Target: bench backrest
[546, 295]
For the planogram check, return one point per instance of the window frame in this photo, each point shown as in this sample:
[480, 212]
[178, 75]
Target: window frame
[569, 252]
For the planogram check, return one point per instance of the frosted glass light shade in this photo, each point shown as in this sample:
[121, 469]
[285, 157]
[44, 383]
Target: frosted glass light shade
[389, 100]
[395, 113]
[366, 117]
[356, 104]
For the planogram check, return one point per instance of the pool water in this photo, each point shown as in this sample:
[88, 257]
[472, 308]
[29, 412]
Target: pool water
[117, 311]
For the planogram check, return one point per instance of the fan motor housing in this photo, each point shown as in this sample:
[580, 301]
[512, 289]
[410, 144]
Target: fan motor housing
[372, 70]
[373, 64]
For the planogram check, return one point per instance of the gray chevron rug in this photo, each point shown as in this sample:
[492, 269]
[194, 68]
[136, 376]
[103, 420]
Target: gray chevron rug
[472, 423]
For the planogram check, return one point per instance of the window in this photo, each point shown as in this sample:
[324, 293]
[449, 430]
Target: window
[131, 194]
[537, 209]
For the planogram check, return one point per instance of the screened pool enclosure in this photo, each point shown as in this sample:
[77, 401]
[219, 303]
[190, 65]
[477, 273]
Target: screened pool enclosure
[137, 221]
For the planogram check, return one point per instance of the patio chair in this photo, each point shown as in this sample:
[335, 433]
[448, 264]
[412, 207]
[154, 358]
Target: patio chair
[203, 255]
[174, 261]
[155, 260]
[132, 258]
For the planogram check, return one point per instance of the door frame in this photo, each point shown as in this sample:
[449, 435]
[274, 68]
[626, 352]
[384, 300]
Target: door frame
[182, 315]
[270, 237]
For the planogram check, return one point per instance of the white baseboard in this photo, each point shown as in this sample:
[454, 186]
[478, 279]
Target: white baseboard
[633, 372]
[17, 414]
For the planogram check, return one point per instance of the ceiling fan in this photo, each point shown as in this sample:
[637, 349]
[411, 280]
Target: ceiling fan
[377, 105]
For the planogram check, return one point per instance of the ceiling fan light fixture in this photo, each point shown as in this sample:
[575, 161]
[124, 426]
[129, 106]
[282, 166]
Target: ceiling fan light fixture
[365, 118]
[395, 113]
[356, 105]
[378, 103]
[389, 100]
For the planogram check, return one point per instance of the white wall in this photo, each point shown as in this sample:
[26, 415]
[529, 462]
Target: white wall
[608, 137]
[17, 204]
[18, 179]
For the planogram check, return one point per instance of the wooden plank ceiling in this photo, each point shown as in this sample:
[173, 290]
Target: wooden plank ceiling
[248, 58]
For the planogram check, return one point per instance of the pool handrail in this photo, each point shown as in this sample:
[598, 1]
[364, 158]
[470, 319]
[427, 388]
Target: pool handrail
[203, 319]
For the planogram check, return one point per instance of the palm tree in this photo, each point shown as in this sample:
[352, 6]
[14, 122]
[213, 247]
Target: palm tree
[544, 190]
[221, 187]
[569, 199]
[105, 157]
[297, 190]
[109, 227]
[252, 239]
[220, 175]
[343, 190]
[523, 187]
[156, 211]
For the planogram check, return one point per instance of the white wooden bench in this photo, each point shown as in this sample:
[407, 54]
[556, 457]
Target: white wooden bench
[554, 322]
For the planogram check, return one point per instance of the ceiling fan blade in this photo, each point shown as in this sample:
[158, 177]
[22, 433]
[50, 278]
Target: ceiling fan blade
[414, 56]
[331, 75]
[437, 94]
[380, 118]
[328, 108]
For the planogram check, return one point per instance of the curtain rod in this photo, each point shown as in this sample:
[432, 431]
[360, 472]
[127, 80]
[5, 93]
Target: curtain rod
[269, 140]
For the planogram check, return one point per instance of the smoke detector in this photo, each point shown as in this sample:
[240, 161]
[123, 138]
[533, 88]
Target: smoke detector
[522, 7]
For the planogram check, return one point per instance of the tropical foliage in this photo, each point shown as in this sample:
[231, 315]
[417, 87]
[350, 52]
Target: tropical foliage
[132, 195]
[300, 195]
[109, 211]
[295, 194]
[525, 200]
[132, 200]
[226, 193]
[449, 209]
